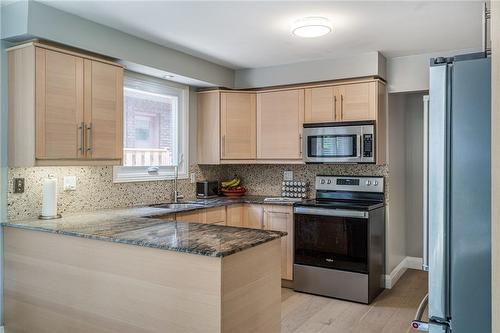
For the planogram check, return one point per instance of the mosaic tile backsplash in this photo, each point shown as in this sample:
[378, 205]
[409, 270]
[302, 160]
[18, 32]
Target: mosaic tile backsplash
[96, 190]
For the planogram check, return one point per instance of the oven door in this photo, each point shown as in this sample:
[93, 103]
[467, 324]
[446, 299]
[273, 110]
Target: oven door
[331, 238]
[338, 144]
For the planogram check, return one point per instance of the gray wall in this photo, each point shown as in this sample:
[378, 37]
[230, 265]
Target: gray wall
[22, 20]
[414, 173]
[405, 177]
[366, 64]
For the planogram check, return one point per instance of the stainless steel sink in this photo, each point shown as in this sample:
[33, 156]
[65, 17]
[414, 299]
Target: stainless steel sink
[179, 205]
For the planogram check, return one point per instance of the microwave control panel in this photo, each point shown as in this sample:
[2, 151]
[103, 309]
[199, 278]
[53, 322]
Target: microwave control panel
[367, 145]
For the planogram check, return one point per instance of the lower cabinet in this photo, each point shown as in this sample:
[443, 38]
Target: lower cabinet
[255, 216]
[280, 218]
[216, 215]
[245, 215]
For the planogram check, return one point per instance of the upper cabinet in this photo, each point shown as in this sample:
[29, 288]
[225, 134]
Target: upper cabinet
[238, 126]
[343, 102]
[280, 116]
[64, 108]
[208, 116]
[103, 116]
[358, 101]
[265, 126]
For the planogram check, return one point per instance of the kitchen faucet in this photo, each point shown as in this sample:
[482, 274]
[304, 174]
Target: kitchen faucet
[175, 194]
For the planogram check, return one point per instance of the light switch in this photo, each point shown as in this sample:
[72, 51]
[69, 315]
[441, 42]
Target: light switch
[70, 183]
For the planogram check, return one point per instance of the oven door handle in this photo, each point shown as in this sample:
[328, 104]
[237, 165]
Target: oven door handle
[331, 212]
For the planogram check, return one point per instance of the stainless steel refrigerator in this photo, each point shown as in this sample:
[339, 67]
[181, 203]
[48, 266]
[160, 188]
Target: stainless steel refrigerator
[457, 196]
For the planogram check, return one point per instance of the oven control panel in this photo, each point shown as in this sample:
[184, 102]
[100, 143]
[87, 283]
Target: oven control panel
[348, 183]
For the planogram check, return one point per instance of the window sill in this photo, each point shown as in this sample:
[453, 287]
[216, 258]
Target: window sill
[121, 176]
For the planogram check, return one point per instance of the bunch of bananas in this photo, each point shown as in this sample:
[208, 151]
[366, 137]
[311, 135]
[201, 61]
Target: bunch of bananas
[232, 183]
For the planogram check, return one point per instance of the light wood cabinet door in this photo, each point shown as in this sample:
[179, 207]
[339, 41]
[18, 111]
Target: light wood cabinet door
[103, 110]
[192, 216]
[238, 126]
[234, 215]
[253, 216]
[320, 104]
[216, 215]
[59, 105]
[358, 101]
[208, 114]
[280, 218]
[280, 116]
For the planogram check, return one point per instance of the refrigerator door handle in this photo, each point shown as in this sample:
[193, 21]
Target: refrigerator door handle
[425, 213]
[437, 199]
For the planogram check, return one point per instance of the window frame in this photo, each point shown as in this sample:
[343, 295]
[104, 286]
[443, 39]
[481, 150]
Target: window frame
[127, 174]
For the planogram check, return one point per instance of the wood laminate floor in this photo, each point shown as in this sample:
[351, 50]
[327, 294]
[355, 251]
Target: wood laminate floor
[391, 312]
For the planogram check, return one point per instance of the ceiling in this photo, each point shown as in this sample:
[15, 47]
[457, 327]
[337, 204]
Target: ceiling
[252, 34]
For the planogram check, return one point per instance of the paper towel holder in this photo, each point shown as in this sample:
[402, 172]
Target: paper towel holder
[53, 217]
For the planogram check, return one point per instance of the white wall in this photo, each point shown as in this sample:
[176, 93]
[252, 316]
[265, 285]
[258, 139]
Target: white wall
[395, 221]
[30, 19]
[366, 64]
[411, 73]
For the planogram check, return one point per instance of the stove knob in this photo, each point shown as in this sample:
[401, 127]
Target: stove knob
[322, 181]
[368, 183]
[375, 183]
[329, 181]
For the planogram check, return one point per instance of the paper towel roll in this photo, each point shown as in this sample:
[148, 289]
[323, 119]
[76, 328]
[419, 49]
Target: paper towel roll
[49, 198]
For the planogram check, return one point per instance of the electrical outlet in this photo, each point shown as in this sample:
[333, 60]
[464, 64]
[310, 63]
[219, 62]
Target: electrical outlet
[18, 185]
[192, 178]
[287, 175]
[70, 183]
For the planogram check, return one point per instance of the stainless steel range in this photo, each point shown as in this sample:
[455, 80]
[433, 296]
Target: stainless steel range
[340, 239]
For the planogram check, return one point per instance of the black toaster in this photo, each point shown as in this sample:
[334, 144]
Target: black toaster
[207, 189]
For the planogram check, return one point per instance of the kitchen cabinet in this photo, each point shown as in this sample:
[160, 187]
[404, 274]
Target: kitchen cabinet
[280, 116]
[65, 108]
[321, 104]
[209, 127]
[358, 101]
[103, 114]
[191, 216]
[216, 215]
[238, 125]
[245, 216]
[280, 218]
[343, 102]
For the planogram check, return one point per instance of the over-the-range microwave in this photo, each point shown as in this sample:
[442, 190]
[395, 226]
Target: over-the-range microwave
[347, 142]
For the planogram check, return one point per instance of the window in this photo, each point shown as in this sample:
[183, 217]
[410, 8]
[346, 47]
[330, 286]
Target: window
[155, 126]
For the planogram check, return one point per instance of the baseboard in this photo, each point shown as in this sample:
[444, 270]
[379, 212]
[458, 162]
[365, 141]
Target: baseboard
[400, 269]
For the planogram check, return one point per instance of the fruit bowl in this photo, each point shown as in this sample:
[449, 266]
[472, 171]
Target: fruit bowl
[234, 192]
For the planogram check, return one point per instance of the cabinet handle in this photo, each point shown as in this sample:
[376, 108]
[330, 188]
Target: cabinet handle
[341, 106]
[82, 138]
[90, 139]
[334, 107]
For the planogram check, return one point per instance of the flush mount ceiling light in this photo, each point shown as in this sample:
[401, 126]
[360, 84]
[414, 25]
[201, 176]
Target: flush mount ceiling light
[310, 27]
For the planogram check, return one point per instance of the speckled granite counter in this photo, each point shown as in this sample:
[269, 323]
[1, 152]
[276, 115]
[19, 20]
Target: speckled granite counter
[142, 226]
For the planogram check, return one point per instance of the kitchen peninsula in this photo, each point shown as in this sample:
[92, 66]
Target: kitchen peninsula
[132, 270]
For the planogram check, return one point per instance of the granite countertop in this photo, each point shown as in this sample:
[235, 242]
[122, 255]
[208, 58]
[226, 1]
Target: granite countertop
[143, 226]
